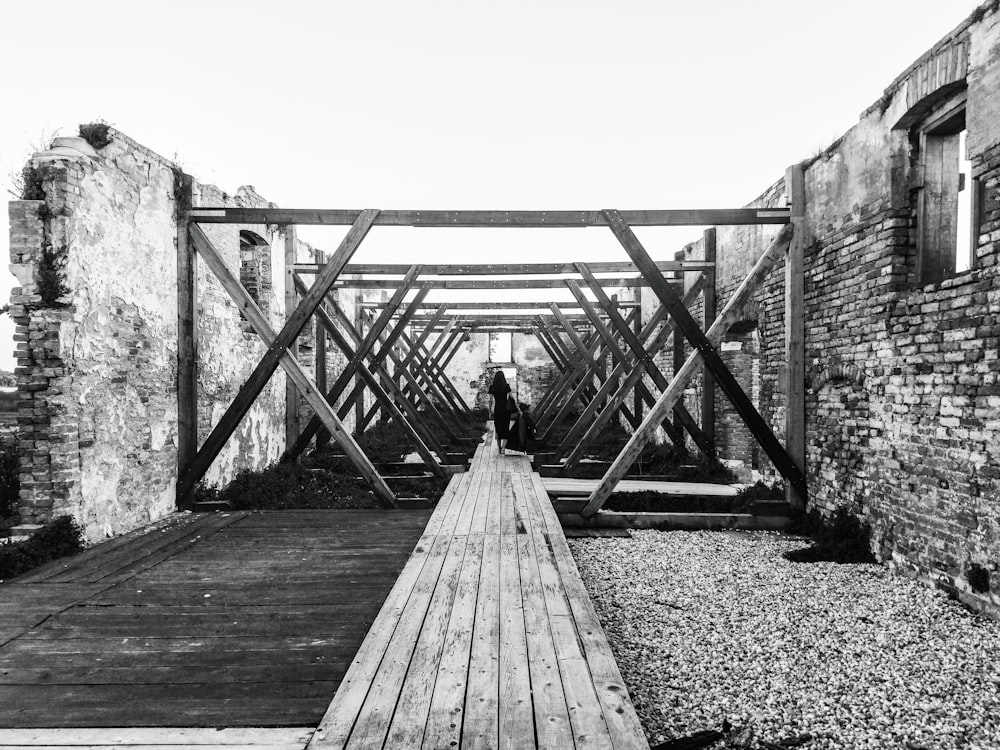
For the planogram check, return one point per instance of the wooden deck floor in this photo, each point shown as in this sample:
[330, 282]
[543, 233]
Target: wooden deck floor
[218, 620]
[488, 638]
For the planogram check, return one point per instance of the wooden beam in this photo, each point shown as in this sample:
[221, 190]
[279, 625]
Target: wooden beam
[502, 269]
[424, 447]
[291, 302]
[260, 324]
[187, 341]
[348, 372]
[591, 421]
[617, 282]
[795, 335]
[663, 406]
[497, 219]
[320, 343]
[709, 302]
[643, 358]
[349, 351]
[686, 324]
[536, 307]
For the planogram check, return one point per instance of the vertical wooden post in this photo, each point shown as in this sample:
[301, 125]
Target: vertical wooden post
[795, 410]
[637, 402]
[291, 302]
[359, 326]
[678, 349]
[709, 307]
[323, 436]
[187, 337]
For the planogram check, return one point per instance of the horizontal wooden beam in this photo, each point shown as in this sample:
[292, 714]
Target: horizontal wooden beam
[537, 307]
[539, 219]
[505, 269]
[619, 282]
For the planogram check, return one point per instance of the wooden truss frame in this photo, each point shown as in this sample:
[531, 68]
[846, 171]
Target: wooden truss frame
[395, 362]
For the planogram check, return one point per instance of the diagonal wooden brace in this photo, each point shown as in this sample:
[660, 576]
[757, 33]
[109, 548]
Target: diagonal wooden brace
[663, 335]
[692, 365]
[295, 372]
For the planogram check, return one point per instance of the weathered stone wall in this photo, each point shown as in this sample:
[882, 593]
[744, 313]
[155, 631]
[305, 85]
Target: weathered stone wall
[903, 398]
[96, 315]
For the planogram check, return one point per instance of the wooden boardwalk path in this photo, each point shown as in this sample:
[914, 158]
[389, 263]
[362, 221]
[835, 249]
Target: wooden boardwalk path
[488, 638]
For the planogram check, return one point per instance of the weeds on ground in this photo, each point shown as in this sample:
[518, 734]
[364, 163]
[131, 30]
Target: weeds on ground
[60, 538]
[10, 483]
[840, 539]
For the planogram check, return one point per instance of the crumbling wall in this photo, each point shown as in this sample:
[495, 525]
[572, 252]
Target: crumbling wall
[903, 398]
[96, 314]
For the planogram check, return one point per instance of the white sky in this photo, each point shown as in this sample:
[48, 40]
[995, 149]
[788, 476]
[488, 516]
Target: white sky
[399, 104]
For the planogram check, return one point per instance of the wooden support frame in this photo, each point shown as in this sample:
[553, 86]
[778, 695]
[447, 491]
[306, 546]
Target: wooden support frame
[709, 303]
[350, 369]
[665, 403]
[277, 353]
[643, 358]
[187, 343]
[582, 433]
[575, 380]
[281, 346]
[693, 333]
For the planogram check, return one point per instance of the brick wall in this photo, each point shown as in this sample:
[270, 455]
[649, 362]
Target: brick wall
[903, 397]
[96, 359]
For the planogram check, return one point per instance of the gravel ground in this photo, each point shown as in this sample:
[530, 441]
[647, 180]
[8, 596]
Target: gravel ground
[710, 627]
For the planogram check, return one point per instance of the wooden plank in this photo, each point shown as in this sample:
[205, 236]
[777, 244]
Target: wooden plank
[619, 713]
[666, 400]
[675, 217]
[480, 725]
[516, 720]
[277, 346]
[187, 337]
[617, 282]
[145, 736]
[375, 715]
[552, 724]
[709, 302]
[500, 269]
[447, 701]
[795, 337]
[572, 487]
[292, 410]
[413, 707]
[707, 349]
[338, 721]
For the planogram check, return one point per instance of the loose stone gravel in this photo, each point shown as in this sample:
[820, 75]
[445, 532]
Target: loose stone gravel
[710, 627]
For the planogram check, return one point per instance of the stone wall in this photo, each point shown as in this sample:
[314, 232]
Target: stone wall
[96, 316]
[903, 398]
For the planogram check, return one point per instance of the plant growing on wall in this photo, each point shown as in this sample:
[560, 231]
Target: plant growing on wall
[51, 277]
[97, 134]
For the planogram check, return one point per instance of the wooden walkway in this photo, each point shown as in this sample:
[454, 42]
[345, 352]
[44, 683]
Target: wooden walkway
[212, 620]
[488, 638]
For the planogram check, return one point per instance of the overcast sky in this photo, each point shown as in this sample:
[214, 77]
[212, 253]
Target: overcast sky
[460, 105]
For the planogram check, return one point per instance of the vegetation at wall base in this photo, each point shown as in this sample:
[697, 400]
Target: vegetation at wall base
[840, 539]
[60, 538]
[10, 482]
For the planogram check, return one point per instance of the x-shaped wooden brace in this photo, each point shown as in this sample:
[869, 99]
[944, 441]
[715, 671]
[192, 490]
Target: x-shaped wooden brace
[277, 355]
[431, 364]
[357, 363]
[643, 358]
[424, 443]
[576, 380]
[597, 373]
[704, 351]
[438, 314]
[414, 388]
[440, 387]
[585, 430]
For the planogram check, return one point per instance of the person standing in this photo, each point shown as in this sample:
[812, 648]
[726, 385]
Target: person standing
[500, 391]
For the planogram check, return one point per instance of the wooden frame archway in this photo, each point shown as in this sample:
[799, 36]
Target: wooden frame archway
[418, 373]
